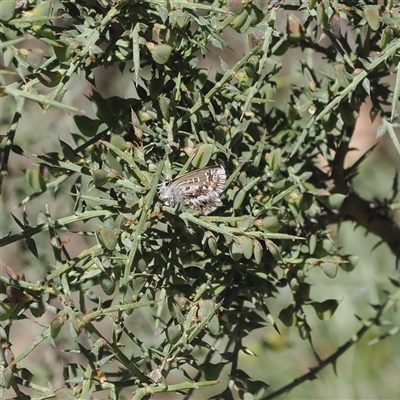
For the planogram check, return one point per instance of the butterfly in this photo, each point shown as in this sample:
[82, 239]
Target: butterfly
[198, 190]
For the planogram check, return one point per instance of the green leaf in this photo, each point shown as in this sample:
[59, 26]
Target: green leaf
[86, 125]
[43, 9]
[160, 53]
[7, 8]
[213, 326]
[235, 250]
[239, 199]
[108, 238]
[211, 371]
[258, 251]
[271, 224]
[56, 325]
[69, 153]
[207, 308]
[326, 309]
[173, 333]
[241, 22]
[330, 269]
[350, 264]
[247, 246]
[119, 142]
[100, 177]
[203, 155]
[62, 50]
[5, 311]
[108, 285]
[371, 15]
[164, 104]
[35, 180]
[50, 79]
[334, 201]
[286, 316]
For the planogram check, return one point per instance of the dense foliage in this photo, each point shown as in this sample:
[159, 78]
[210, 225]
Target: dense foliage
[144, 298]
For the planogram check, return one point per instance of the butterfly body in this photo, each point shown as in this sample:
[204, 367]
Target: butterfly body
[199, 190]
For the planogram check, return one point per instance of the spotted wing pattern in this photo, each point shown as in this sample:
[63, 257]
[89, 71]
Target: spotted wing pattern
[199, 190]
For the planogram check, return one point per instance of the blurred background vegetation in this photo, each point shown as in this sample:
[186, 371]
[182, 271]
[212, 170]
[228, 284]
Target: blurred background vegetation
[108, 293]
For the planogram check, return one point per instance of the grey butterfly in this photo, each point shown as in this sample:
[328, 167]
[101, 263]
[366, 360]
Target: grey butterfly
[198, 190]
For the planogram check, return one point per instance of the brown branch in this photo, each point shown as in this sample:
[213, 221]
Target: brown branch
[365, 214]
[374, 321]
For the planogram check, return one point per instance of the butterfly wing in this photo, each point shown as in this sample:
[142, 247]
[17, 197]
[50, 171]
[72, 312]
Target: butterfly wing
[198, 190]
[202, 189]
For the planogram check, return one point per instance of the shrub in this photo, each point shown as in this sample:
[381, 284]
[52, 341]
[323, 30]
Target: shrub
[141, 297]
